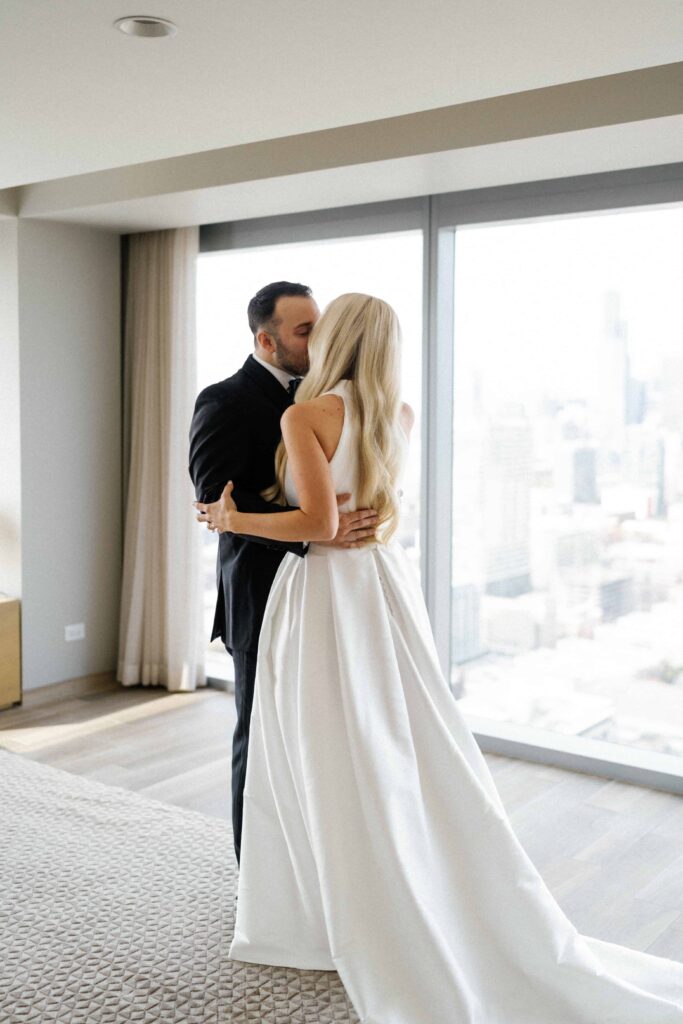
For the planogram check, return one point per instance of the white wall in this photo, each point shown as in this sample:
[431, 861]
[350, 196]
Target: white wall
[70, 388]
[10, 453]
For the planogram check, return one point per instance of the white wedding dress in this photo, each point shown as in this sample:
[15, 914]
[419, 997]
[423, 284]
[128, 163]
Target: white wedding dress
[374, 841]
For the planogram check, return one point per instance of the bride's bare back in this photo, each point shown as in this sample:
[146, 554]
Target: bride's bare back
[327, 420]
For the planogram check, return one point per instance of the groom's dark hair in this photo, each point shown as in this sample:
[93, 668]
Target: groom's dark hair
[262, 307]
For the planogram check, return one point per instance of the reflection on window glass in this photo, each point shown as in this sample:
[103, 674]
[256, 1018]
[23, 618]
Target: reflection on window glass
[389, 266]
[567, 589]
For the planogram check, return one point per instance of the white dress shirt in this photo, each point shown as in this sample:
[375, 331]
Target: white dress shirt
[282, 375]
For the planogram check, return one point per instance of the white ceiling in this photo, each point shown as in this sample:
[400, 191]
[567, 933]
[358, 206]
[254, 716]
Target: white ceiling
[79, 96]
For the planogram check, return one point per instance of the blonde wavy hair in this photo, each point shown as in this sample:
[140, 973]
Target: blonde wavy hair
[358, 336]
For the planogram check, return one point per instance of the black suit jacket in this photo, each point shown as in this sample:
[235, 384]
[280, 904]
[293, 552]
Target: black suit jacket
[233, 436]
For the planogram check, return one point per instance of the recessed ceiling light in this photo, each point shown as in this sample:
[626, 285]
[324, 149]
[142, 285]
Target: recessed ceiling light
[145, 25]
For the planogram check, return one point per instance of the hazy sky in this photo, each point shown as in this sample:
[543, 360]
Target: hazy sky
[530, 296]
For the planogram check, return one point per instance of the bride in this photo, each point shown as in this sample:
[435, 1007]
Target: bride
[374, 840]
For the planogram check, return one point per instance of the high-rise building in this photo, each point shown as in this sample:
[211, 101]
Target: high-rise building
[585, 465]
[507, 476]
[466, 622]
[644, 466]
[617, 597]
[613, 377]
[636, 399]
[671, 390]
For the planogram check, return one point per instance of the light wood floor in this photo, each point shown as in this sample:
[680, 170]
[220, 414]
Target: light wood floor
[611, 853]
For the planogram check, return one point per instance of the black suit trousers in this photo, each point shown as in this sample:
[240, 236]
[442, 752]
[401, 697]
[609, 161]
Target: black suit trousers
[245, 673]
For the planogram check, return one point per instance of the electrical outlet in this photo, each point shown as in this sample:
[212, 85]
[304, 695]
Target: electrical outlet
[75, 632]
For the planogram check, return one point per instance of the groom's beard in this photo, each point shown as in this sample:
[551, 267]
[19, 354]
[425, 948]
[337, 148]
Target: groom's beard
[288, 361]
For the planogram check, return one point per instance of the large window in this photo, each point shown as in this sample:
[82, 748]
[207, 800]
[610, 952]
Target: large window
[543, 505]
[387, 265]
[567, 522]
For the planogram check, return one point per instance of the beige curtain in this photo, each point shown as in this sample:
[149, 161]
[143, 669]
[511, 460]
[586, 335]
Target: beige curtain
[161, 640]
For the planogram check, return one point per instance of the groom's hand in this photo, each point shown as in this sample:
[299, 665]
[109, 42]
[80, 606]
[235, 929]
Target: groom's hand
[353, 526]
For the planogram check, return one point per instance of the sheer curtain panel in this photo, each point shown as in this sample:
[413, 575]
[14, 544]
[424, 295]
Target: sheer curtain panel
[160, 640]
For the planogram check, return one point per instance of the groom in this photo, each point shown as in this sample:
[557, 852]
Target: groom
[233, 436]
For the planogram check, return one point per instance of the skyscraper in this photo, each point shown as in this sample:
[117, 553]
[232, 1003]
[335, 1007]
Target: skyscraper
[506, 484]
[613, 376]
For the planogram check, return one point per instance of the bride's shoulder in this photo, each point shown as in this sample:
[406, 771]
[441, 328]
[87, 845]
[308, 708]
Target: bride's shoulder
[324, 403]
[313, 409]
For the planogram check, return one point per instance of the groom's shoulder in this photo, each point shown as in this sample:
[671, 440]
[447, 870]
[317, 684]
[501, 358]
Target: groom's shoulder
[228, 390]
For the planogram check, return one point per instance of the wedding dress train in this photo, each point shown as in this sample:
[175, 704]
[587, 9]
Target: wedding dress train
[374, 841]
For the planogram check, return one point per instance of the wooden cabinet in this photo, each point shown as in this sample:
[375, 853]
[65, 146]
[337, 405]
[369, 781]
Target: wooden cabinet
[10, 652]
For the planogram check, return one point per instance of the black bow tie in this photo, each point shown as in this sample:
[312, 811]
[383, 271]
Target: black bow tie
[292, 386]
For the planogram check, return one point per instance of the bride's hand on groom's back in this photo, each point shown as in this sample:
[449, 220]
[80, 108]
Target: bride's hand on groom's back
[353, 526]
